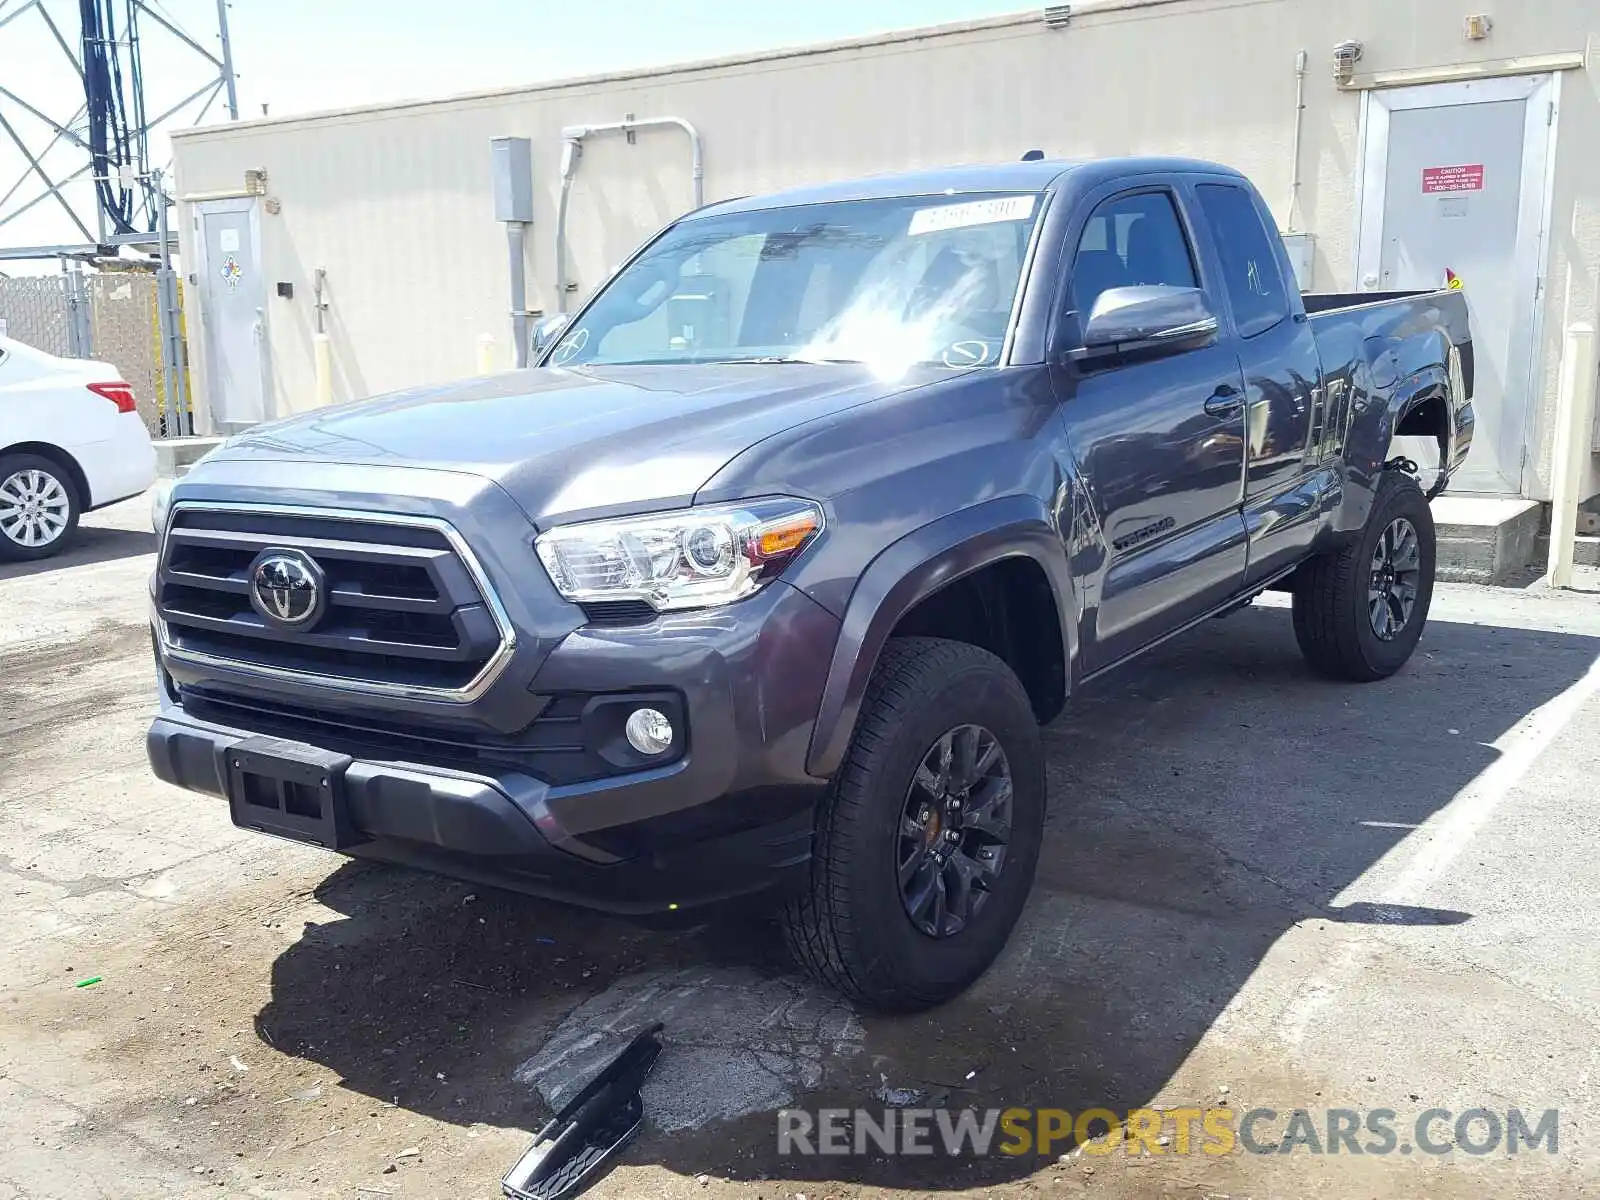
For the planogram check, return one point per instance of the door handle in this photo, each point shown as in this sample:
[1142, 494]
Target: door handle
[1225, 401]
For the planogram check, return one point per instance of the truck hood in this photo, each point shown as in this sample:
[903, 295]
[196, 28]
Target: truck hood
[572, 444]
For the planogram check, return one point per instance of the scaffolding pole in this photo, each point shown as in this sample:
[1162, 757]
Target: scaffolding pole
[80, 338]
[227, 61]
[169, 316]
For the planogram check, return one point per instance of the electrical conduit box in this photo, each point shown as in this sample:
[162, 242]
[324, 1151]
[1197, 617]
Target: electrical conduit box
[513, 179]
[1302, 253]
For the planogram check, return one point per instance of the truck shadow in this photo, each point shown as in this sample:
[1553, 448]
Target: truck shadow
[1203, 803]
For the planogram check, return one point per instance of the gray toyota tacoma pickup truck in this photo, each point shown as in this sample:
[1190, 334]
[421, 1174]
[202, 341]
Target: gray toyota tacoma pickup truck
[764, 580]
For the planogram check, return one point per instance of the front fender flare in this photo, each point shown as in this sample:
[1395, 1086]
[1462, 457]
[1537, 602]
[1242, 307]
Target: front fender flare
[913, 568]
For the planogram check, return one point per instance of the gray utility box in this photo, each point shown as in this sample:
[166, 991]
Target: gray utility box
[513, 179]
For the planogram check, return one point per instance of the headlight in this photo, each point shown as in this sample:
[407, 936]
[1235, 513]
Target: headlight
[160, 505]
[693, 558]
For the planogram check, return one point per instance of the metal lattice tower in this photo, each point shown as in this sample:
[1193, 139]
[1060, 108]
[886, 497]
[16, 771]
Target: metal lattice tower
[83, 143]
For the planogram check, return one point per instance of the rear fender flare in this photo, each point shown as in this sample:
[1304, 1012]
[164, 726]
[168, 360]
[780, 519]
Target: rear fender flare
[1371, 434]
[910, 570]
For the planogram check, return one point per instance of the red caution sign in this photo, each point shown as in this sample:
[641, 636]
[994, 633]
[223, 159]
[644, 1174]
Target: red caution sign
[1467, 178]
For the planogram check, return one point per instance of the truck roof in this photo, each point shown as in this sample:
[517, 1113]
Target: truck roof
[1034, 176]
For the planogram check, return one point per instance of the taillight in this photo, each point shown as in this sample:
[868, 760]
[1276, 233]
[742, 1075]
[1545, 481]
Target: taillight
[120, 394]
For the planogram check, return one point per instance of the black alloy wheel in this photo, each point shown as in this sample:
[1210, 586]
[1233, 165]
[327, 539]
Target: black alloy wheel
[954, 830]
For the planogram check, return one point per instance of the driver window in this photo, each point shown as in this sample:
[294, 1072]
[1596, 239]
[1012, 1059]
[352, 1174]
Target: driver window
[1130, 241]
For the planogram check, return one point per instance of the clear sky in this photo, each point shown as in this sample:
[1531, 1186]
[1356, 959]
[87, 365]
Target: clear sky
[301, 55]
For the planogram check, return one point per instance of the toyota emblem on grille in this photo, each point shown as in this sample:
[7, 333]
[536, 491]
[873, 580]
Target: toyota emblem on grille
[286, 588]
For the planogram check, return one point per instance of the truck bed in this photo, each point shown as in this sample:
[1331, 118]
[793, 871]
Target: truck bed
[1420, 328]
[1321, 302]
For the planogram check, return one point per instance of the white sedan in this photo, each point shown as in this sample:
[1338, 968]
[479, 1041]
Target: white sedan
[70, 441]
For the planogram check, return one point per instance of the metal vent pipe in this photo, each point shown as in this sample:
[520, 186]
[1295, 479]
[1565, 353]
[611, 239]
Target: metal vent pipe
[572, 138]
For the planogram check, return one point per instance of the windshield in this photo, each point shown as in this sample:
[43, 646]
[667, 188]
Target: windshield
[898, 282]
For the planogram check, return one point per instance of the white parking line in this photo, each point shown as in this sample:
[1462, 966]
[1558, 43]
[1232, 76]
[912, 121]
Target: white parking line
[1450, 830]
[1429, 853]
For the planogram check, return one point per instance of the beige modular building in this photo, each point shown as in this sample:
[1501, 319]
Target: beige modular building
[1395, 140]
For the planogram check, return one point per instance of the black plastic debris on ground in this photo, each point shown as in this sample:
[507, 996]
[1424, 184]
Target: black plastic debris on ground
[569, 1151]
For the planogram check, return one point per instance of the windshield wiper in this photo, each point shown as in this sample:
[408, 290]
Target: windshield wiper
[765, 359]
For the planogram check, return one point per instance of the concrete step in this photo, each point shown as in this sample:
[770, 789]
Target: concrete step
[1589, 516]
[1486, 539]
[174, 456]
[1585, 551]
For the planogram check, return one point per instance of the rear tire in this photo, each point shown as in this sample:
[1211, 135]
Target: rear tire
[857, 926]
[39, 507]
[1358, 612]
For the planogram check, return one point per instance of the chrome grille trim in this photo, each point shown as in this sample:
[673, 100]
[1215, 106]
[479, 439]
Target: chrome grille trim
[474, 688]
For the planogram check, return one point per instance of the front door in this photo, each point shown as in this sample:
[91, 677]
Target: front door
[1162, 462]
[1454, 186]
[233, 299]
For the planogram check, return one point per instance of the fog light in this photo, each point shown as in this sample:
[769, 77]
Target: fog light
[649, 731]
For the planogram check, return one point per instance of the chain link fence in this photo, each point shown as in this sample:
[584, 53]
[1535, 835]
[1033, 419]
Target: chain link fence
[35, 312]
[124, 328]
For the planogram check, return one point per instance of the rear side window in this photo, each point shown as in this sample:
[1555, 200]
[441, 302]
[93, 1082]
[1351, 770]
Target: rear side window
[1129, 241]
[1250, 272]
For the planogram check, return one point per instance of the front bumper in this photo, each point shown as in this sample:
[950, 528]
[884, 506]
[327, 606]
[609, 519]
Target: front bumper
[483, 829]
[731, 815]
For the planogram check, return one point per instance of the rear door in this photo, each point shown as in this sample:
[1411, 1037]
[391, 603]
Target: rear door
[1157, 443]
[1282, 372]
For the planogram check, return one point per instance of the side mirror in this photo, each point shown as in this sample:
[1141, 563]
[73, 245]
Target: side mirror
[547, 331]
[1152, 318]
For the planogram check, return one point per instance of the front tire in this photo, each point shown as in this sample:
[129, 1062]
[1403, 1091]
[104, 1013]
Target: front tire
[1359, 612]
[926, 844]
[39, 507]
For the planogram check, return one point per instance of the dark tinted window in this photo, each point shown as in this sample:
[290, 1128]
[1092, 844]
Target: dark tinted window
[1129, 241]
[1249, 262]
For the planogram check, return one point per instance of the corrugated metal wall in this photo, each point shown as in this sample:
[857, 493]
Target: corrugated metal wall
[395, 202]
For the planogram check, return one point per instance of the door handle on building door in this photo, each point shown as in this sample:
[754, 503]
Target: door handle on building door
[1225, 401]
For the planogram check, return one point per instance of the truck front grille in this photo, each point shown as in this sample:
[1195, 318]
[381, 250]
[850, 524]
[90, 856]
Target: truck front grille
[404, 607]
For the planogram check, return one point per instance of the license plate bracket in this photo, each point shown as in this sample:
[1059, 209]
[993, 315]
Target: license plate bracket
[291, 790]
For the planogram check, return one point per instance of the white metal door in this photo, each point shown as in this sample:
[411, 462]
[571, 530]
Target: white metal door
[233, 304]
[1455, 182]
